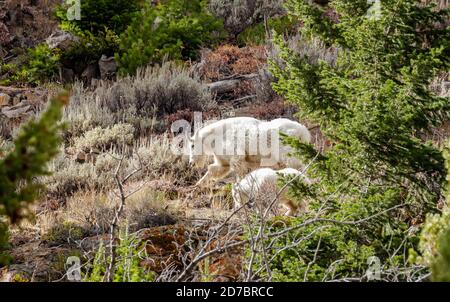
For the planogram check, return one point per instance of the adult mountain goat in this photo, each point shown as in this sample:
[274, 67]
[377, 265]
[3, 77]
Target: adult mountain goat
[243, 144]
[260, 189]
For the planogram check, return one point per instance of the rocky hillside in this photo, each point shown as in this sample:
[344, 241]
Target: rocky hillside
[24, 24]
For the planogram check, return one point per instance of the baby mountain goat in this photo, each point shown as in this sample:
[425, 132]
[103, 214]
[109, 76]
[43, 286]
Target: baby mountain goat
[260, 188]
[243, 144]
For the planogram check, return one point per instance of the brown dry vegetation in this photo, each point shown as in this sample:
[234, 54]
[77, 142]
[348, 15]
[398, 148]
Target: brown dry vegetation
[228, 62]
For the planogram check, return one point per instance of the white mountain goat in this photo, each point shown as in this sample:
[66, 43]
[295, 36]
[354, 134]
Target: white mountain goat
[290, 128]
[243, 144]
[260, 188]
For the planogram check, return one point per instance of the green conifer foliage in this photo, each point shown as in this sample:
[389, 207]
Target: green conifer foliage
[174, 29]
[37, 143]
[375, 105]
[100, 15]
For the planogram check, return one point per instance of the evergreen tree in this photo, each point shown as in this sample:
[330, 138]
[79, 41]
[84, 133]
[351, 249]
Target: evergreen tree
[374, 103]
[99, 15]
[37, 143]
[173, 29]
[434, 244]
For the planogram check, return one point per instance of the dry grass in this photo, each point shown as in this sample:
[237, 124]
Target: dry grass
[90, 213]
[229, 60]
[101, 139]
[154, 154]
[440, 3]
[272, 110]
[5, 146]
[69, 177]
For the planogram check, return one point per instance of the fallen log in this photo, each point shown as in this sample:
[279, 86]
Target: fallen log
[13, 90]
[228, 85]
[222, 87]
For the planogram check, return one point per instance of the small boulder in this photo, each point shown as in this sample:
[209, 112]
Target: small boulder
[4, 99]
[61, 39]
[82, 157]
[108, 67]
[89, 73]
[67, 75]
[16, 112]
[5, 36]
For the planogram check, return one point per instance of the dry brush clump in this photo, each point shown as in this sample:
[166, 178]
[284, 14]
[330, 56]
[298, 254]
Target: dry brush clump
[155, 155]
[140, 100]
[230, 62]
[101, 139]
[313, 50]
[159, 160]
[189, 115]
[240, 14]
[90, 213]
[88, 192]
[69, 176]
[272, 110]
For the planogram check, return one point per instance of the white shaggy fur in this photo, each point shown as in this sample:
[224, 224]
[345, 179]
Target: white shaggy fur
[226, 133]
[260, 187]
[294, 129]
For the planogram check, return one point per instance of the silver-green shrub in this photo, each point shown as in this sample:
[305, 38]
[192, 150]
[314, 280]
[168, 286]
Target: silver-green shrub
[140, 100]
[240, 14]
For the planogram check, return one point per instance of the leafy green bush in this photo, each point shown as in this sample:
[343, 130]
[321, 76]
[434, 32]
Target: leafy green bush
[35, 146]
[100, 15]
[8, 73]
[127, 268]
[373, 103]
[39, 64]
[174, 29]
[98, 30]
[441, 266]
[89, 48]
[43, 63]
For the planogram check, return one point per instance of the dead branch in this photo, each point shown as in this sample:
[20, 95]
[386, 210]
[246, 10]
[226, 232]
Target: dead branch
[118, 212]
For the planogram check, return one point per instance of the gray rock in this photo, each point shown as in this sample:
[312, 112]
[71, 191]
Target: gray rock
[108, 67]
[21, 109]
[4, 99]
[17, 99]
[83, 157]
[89, 73]
[5, 36]
[15, 113]
[445, 88]
[61, 39]
[67, 75]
